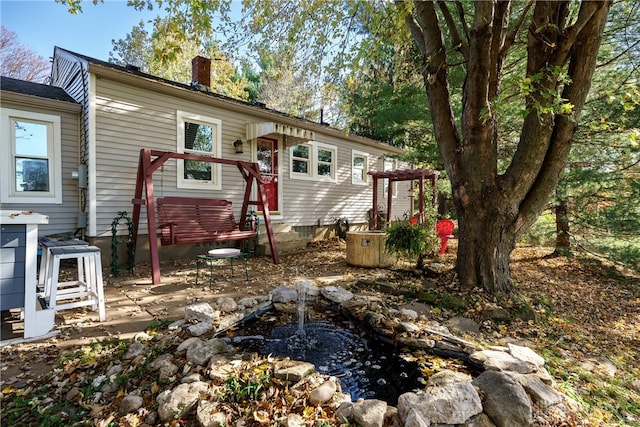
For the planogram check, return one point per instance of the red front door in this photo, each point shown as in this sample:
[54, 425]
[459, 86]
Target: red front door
[267, 157]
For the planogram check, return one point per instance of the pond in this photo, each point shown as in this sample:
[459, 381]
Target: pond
[366, 368]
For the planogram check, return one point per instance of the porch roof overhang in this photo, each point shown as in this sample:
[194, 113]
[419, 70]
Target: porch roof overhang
[293, 134]
[406, 175]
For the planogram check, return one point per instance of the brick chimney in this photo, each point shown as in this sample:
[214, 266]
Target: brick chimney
[201, 71]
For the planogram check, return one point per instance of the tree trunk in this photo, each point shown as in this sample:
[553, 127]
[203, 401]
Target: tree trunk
[563, 241]
[486, 230]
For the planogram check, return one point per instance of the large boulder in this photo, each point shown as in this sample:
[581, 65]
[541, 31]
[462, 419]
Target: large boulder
[505, 401]
[452, 403]
[336, 294]
[200, 312]
[200, 352]
[284, 295]
[175, 403]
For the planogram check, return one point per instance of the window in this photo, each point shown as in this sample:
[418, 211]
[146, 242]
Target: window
[32, 169]
[313, 161]
[300, 160]
[200, 136]
[326, 158]
[359, 167]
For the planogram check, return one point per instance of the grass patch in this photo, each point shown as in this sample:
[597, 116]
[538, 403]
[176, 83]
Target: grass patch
[603, 399]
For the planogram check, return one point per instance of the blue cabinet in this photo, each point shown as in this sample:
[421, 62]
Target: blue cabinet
[18, 265]
[12, 265]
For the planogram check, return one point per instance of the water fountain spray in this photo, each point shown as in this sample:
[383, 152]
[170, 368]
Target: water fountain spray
[302, 286]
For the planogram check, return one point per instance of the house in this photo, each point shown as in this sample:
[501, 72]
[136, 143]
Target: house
[105, 114]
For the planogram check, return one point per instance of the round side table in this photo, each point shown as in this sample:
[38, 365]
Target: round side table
[217, 254]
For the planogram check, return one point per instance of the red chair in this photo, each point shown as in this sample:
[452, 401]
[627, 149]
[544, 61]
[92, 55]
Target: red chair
[444, 230]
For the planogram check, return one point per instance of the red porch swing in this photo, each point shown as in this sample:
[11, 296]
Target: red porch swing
[151, 160]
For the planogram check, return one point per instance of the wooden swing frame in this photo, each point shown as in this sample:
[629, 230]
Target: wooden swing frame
[151, 160]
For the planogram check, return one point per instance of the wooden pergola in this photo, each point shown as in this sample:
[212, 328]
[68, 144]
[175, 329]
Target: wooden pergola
[151, 160]
[419, 175]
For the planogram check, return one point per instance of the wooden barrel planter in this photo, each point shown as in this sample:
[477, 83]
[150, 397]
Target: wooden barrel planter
[366, 249]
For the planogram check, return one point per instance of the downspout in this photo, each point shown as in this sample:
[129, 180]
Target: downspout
[91, 160]
[82, 184]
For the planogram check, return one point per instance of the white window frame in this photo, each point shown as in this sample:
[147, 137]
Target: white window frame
[216, 171]
[292, 158]
[334, 157]
[8, 194]
[314, 162]
[364, 178]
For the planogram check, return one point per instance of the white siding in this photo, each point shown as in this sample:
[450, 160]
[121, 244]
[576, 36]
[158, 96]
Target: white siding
[133, 113]
[130, 118]
[307, 202]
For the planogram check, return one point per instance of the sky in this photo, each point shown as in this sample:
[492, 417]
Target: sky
[42, 24]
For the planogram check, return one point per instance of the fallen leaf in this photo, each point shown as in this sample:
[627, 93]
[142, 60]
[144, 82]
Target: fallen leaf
[261, 416]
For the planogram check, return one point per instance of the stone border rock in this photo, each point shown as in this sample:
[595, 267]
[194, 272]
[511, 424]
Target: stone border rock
[514, 388]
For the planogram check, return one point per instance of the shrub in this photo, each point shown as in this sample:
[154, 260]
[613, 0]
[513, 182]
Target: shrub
[542, 232]
[412, 241]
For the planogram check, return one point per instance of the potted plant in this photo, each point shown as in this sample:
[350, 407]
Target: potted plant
[412, 241]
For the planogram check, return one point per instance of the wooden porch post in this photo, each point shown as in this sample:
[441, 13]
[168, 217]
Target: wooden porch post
[137, 201]
[421, 187]
[434, 184]
[389, 200]
[151, 219]
[375, 203]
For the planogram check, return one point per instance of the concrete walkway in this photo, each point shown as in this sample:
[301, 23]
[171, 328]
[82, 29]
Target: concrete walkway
[133, 303]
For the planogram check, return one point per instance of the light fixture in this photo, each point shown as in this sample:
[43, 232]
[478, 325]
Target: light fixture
[237, 144]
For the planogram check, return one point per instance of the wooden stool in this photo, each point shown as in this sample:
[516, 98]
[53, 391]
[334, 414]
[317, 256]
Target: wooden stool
[46, 257]
[86, 290]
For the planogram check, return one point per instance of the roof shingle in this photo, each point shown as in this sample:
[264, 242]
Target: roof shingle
[35, 89]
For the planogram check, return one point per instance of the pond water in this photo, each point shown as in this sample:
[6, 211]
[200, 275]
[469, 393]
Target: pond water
[366, 368]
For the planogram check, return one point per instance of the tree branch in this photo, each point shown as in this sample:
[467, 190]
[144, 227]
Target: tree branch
[425, 28]
[582, 63]
[616, 58]
[499, 30]
[462, 19]
[480, 152]
[416, 33]
[512, 36]
[537, 129]
[568, 40]
[458, 43]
